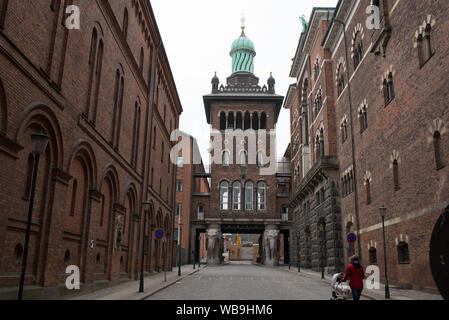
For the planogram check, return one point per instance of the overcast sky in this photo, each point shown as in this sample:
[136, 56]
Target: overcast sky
[198, 34]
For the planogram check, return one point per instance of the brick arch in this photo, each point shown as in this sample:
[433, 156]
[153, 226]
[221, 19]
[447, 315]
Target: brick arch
[110, 174]
[41, 116]
[82, 149]
[3, 110]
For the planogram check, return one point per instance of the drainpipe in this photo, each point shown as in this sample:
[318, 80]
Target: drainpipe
[151, 135]
[356, 193]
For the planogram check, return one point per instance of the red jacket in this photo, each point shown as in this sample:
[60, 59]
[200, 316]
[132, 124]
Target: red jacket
[355, 276]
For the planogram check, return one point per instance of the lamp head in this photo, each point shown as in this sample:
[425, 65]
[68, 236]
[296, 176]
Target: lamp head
[146, 205]
[383, 211]
[39, 142]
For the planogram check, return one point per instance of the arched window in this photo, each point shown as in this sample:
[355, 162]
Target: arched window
[357, 50]
[316, 68]
[135, 145]
[424, 45]
[318, 103]
[239, 121]
[162, 152]
[388, 89]
[222, 121]
[141, 59]
[255, 124]
[437, 149]
[247, 121]
[340, 80]
[261, 196]
[224, 195]
[154, 138]
[3, 8]
[95, 66]
[73, 203]
[363, 118]
[236, 196]
[368, 192]
[396, 175]
[321, 143]
[372, 256]
[18, 253]
[231, 120]
[284, 213]
[125, 24]
[200, 212]
[118, 104]
[67, 258]
[263, 121]
[93, 47]
[249, 192]
[226, 158]
[403, 253]
[344, 131]
[242, 158]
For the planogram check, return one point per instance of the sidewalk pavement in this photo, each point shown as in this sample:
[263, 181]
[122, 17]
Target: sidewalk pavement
[152, 284]
[395, 293]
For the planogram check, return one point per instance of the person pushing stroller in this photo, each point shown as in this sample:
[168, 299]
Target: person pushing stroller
[355, 274]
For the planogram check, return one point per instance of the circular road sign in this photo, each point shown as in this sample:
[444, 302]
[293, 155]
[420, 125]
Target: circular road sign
[352, 238]
[159, 234]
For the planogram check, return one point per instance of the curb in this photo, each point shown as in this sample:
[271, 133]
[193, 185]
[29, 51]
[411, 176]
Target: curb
[169, 284]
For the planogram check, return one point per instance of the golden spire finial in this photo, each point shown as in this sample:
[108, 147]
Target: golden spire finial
[243, 21]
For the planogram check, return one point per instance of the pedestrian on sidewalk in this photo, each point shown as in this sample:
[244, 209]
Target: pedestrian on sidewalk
[355, 274]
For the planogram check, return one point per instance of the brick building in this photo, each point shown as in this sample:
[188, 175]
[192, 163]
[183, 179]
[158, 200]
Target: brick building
[244, 185]
[106, 97]
[388, 89]
[315, 200]
[189, 184]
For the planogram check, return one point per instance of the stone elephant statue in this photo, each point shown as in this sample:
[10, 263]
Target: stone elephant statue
[214, 246]
[271, 238]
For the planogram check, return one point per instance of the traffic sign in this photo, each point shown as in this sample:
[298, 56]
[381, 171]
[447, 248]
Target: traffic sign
[352, 238]
[159, 234]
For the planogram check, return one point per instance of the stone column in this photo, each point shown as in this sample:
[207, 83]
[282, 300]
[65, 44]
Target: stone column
[214, 244]
[271, 246]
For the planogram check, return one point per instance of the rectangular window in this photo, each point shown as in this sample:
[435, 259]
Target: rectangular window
[178, 185]
[180, 162]
[178, 209]
[175, 234]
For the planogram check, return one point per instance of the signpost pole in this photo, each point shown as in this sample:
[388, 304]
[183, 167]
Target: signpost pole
[165, 259]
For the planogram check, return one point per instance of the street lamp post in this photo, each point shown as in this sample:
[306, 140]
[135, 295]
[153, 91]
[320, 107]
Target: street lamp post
[298, 256]
[145, 208]
[39, 143]
[179, 248]
[383, 212]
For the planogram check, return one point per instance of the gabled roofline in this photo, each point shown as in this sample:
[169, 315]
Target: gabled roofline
[304, 38]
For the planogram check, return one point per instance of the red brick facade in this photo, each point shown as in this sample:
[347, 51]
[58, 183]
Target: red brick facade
[106, 96]
[398, 99]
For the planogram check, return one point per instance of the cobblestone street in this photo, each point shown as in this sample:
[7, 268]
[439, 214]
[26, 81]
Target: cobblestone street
[244, 281]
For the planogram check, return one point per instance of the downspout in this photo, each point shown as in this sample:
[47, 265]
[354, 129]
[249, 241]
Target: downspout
[175, 174]
[356, 193]
[151, 135]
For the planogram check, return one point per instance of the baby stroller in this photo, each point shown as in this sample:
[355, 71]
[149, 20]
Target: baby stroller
[340, 289]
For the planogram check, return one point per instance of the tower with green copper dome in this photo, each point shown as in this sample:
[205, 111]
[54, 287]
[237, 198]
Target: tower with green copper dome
[243, 53]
